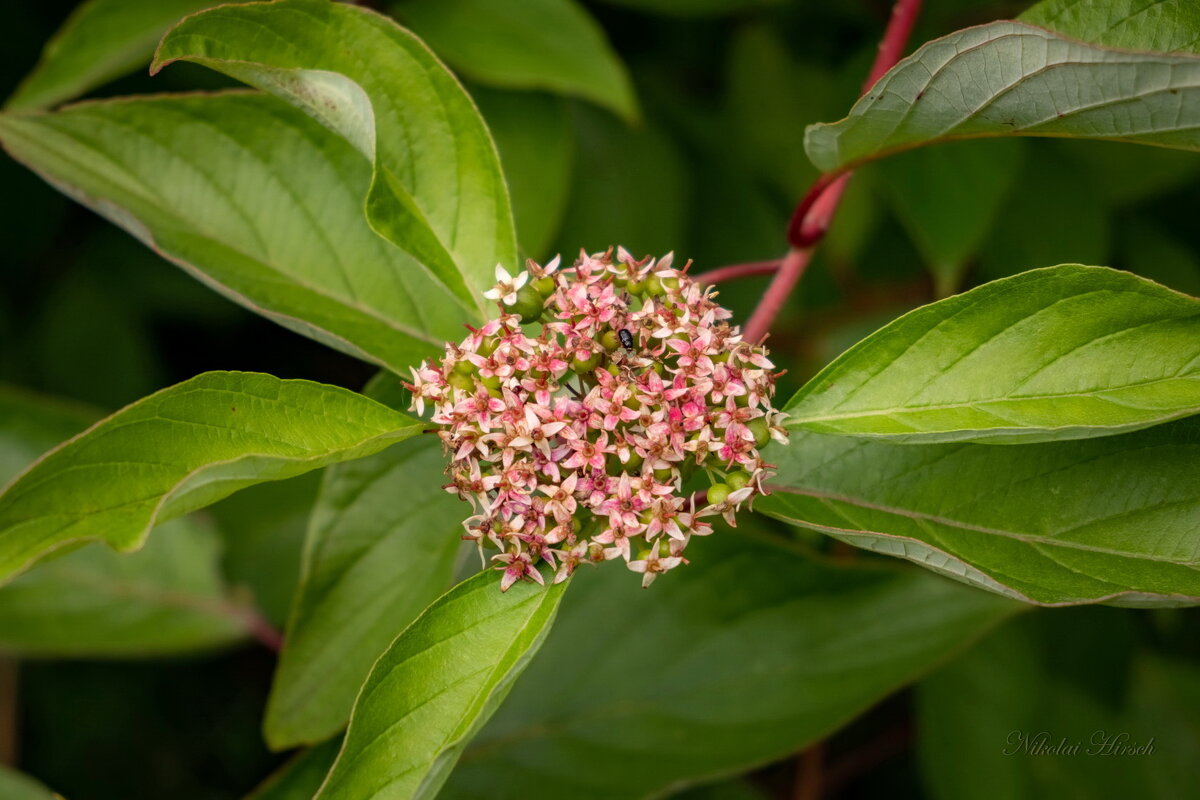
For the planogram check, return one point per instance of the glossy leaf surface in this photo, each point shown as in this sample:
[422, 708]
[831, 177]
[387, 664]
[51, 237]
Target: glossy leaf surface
[253, 198]
[1061, 353]
[1112, 519]
[1012, 79]
[437, 191]
[180, 449]
[437, 684]
[740, 658]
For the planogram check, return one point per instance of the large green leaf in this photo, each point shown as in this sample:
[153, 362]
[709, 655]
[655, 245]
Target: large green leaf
[437, 684]
[742, 657]
[257, 200]
[437, 191]
[169, 597]
[380, 547]
[100, 41]
[1060, 353]
[182, 448]
[1164, 26]
[525, 44]
[1012, 79]
[1035, 729]
[1111, 519]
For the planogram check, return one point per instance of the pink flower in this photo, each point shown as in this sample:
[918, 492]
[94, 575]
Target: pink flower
[569, 468]
[516, 566]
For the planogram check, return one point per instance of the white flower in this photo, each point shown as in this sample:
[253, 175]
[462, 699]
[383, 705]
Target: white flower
[507, 286]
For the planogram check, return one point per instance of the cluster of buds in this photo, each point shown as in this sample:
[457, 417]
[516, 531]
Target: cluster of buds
[631, 415]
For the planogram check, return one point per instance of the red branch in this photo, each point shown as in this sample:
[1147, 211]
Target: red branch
[739, 271]
[814, 213]
[262, 630]
[793, 266]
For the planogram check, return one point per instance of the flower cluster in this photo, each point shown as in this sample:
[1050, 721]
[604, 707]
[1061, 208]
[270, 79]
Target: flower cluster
[591, 439]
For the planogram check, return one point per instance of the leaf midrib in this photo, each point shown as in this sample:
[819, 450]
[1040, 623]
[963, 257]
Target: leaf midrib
[900, 410]
[918, 516]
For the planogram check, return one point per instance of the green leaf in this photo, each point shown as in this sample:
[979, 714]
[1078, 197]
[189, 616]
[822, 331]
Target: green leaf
[1021, 699]
[437, 684]
[100, 41]
[1164, 26]
[380, 548]
[180, 449]
[166, 598]
[537, 147]
[257, 200]
[1066, 352]
[738, 659]
[301, 777]
[1011, 79]
[16, 786]
[948, 198]
[525, 44]
[1112, 519]
[437, 191]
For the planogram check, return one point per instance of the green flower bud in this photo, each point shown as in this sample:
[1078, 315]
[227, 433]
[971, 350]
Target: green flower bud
[529, 305]
[610, 341]
[491, 382]
[636, 287]
[718, 492]
[762, 432]
[584, 366]
[737, 479]
[544, 286]
[465, 367]
[654, 286]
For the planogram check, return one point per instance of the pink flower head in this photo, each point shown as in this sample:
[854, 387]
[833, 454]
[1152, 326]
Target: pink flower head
[574, 444]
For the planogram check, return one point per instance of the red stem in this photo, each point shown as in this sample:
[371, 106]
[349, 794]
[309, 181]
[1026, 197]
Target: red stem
[262, 630]
[739, 271]
[794, 264]
[814, 213]
[891, 47]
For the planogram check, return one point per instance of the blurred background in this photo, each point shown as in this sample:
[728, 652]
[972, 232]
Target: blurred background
[710, 166]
